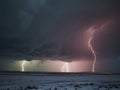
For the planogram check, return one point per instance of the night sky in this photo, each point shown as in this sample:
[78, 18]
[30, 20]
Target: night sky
[47, 33]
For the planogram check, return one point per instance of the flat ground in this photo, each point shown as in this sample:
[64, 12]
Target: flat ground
[46, 80]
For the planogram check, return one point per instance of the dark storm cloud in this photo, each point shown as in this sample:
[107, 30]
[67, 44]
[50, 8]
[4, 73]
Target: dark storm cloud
[53, 29]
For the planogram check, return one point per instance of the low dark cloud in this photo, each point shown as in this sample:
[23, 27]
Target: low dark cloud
[55, 29]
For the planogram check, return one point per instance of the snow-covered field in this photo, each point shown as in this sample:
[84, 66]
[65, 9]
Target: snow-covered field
[59, 81]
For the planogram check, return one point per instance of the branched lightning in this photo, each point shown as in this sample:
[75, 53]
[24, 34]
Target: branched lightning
[65, 67]
[22, 66]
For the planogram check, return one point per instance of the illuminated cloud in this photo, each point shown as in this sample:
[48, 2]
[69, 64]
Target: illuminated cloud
[43, 29]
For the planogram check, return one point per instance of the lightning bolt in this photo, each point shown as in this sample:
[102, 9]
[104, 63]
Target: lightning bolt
[91, 48]
[92, 30]
[65, 67]
[22, 66]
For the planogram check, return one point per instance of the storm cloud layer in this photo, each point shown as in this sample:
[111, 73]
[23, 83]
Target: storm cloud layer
[55, 29]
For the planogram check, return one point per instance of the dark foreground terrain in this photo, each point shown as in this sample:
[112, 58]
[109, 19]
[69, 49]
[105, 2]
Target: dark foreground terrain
[58, 81]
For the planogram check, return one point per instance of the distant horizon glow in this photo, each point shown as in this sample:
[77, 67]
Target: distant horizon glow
[55, 66]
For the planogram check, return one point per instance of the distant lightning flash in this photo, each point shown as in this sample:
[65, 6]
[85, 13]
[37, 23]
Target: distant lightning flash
[92, 30]
[65, 67]
[22, 66]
